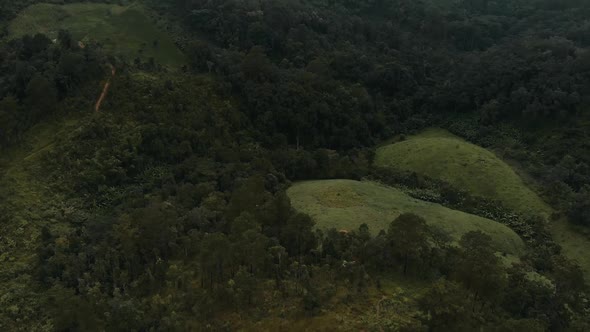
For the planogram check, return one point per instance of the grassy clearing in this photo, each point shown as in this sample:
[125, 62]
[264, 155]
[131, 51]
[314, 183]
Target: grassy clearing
[123, 31]
[438, 154]
[345, 204]
[441, 155]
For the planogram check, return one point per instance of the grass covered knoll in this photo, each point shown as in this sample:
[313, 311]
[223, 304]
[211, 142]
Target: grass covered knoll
[345, 204]
[123, 31]
[440, 155]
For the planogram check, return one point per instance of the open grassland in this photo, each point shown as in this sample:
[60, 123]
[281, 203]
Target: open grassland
[346, 204]
[443, 156]
[440, 155]
[123, 31]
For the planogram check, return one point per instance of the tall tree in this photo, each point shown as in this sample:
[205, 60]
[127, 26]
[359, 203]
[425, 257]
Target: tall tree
[408, 237]
[41, 96]
[479, 269]
[447, 306]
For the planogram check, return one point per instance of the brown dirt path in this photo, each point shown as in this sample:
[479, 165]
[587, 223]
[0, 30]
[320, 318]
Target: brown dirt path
[105, 89]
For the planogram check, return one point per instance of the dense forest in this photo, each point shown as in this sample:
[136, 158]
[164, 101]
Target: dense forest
[167, 210]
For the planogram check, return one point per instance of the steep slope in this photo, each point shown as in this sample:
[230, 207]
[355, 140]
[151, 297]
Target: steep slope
[443, 156]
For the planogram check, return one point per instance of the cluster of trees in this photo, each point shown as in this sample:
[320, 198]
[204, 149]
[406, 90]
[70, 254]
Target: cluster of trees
[401, 60]
[523, 80]
[36, 74]
[470, 285]
[342, 74]
[110, 260]
[232, 245]
[177, 211]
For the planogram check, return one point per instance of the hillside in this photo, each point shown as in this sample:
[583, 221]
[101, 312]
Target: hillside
[345, 204]
[443, 156]
[176, 165]
[440, 155]
[124, 31]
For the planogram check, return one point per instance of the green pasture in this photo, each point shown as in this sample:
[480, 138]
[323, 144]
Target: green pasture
[125, 31]
[440, 155]
[346, 204]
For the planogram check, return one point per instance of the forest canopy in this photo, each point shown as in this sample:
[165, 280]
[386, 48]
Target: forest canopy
[168, 207]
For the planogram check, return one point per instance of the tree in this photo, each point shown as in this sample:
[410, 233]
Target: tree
[249, 244]
[214, 257]
[447, 306]
[244, 286]
[199, 54]
[71, 312]
[489, 112]
[34, 45]
[569, 280]
[249, 197]
[528, 297]
[155, 225]
[41, 96]
[280, 260]
[73, 70]
[297, 235]
[518, 325]
[579, 211]
[65, 39]
[408, 236]
[257, 67]
[479, 269]
[9, 116]
[377, 252]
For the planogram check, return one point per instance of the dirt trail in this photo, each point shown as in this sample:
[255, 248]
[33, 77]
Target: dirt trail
[105, 89]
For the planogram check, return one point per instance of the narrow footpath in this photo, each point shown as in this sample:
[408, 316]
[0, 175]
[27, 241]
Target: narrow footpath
[105, 89]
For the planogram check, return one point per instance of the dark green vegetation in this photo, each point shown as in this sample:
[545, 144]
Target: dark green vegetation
[168, 210]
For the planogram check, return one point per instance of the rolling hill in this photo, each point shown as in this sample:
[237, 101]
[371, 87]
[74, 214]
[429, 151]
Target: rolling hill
[443, 156]
[125, 31]
[346, 204]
